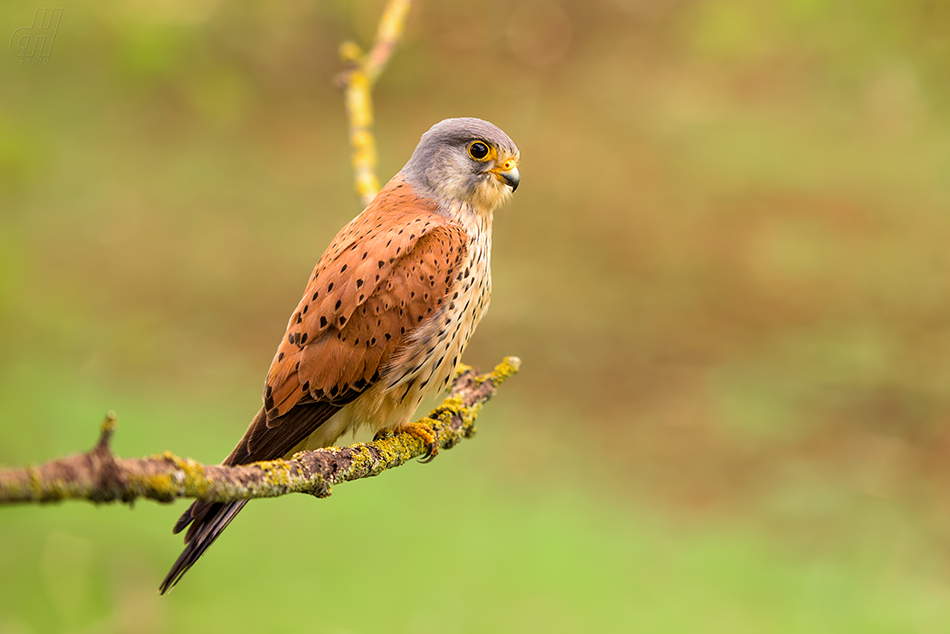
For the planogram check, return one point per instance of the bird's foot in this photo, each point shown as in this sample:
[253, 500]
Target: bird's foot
[424, 433]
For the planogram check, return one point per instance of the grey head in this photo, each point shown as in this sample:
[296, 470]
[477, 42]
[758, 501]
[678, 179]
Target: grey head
[466, 160]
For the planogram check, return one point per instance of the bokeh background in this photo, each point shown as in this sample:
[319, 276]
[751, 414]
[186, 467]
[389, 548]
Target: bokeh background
[726, 271]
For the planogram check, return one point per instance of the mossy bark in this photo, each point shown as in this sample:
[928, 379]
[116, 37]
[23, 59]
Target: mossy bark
[99, 476]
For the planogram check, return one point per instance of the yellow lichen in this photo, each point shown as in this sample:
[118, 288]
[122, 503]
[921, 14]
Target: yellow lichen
[505, 370]
[350, 52]
[169, 476]
[189, 476]
[108, 425]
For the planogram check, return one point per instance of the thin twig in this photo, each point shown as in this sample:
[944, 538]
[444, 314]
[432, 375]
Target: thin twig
[100, 476]
[357, 82]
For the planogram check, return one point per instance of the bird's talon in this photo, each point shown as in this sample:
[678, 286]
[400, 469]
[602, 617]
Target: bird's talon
[432, 450]
[424, 433]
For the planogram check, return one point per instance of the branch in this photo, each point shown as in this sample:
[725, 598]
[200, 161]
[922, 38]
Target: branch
[99, 476]
[357, 82]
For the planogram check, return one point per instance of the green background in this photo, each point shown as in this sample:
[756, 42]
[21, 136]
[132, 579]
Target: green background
[726, 271]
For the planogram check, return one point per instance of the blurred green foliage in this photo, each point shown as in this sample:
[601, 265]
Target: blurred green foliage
[726, 271]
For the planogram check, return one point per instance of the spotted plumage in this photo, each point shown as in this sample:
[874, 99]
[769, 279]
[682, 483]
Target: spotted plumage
[386, 313]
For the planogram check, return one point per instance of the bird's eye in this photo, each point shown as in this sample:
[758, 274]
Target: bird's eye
[478, 150]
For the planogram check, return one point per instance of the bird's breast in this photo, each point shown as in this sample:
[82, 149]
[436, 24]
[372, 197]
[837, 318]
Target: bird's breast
[436, 348]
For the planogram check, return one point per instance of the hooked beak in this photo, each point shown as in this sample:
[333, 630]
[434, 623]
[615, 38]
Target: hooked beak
[507, 172]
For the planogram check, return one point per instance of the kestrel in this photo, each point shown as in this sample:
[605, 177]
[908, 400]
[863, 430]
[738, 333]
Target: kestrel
[386, 314]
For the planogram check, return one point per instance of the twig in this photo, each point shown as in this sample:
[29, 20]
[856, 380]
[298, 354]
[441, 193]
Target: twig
[357, 82]
[100, 476]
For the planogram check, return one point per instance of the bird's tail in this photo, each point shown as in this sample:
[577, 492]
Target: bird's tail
[207, 520]
[263, 440]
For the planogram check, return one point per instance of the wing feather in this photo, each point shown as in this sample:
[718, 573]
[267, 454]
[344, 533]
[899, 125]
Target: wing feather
[384, 275]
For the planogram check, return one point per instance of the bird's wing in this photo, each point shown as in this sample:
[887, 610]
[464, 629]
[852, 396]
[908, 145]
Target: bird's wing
[384, 275]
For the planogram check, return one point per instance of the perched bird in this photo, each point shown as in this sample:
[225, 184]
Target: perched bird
[386, 314]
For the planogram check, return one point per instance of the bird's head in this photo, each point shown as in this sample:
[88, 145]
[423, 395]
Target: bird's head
[466, 160]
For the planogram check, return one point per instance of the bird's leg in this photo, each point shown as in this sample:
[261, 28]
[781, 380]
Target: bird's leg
[421, 431]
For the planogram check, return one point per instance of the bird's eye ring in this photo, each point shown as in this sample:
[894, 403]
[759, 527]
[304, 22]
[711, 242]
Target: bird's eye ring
[478, 150]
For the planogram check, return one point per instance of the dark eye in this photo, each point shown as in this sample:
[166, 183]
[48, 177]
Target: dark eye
[478, 150]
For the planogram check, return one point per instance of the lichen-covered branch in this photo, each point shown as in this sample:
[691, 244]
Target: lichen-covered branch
[363, 69]
[100, 476]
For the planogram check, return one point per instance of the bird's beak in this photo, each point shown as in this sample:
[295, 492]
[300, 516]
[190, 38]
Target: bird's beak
[507, 172]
